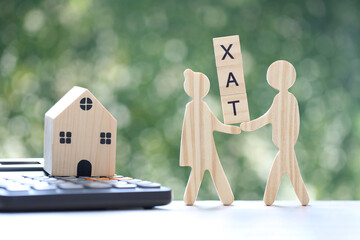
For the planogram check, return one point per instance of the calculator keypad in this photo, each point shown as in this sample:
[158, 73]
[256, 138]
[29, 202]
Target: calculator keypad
[45, 183]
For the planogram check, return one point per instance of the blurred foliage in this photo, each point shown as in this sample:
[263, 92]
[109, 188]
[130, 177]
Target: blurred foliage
[131, 55]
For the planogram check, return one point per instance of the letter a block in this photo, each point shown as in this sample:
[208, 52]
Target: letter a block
[231, 79]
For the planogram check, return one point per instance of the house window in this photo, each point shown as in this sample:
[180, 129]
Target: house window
[105, 138]
[86, 104]
[65, 137]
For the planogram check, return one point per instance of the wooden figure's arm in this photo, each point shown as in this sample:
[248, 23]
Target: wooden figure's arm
[220, 127]
[255, 124]
[261, 121]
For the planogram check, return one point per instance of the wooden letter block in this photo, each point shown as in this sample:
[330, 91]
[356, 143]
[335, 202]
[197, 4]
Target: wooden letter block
[231, 79]
[227, 51]
[235, 108]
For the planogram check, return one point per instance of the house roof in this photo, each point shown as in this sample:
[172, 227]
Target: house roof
[68, 99]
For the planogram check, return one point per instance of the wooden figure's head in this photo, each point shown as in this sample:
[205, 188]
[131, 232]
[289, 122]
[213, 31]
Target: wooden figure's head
[196, 84]
[281, 75]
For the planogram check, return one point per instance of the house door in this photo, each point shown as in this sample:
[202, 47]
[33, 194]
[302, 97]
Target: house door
[84, 168]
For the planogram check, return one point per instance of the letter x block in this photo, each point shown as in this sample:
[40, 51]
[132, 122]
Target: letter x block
[231, 79]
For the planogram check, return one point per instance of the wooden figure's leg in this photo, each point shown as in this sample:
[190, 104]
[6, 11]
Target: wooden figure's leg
[297, 181]
[273, 182]
[222, 184]
[192, 187]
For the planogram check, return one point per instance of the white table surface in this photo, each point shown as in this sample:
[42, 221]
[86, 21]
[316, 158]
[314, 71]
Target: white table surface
[205, 220]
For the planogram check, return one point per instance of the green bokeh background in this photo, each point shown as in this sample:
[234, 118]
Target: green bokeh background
[131, 55]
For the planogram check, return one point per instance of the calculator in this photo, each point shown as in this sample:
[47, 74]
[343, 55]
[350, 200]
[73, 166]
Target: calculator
[24, 186]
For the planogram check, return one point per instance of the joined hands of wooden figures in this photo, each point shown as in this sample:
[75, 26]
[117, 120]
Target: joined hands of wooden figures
[197, 142]
[284, 117]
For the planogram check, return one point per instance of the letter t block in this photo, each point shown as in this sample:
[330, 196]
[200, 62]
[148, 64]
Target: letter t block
[231, 79]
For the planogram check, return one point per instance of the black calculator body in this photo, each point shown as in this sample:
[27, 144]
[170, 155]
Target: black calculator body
[24, 186]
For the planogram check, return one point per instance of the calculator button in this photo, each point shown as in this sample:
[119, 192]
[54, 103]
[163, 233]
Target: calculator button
[55, 181]
[67, 186]
[17, 187]
[120, 183]
[97, 185]
[124, 186]
[58, 182]
[15, 179]
[134, 181]
[26, 181]
[109, 181]
[4, 183]
[33, 182]
[43, 186]
[148, 185]
[144, 182]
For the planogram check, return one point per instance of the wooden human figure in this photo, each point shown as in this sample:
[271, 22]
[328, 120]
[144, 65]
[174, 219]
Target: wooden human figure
[197, 142]
[284, 117]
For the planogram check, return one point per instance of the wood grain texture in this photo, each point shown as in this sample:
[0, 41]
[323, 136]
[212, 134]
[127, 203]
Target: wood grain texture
[86, 128]
[232, 46]
[197, 148]
[231, 78]
[284, 117]
[235, 107]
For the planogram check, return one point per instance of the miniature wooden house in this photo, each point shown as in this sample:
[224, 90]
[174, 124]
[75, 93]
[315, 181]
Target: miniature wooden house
[80, 136]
